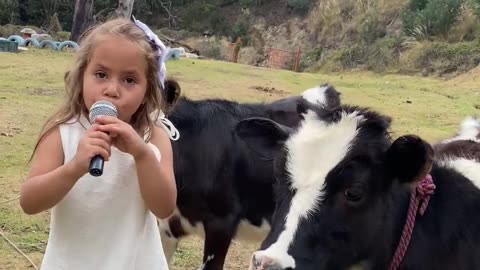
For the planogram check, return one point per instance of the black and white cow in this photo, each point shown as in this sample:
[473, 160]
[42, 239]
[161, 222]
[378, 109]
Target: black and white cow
[465, 144]
[224, 188]
[343, 189]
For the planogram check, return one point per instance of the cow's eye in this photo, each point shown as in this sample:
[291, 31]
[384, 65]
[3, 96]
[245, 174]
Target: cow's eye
[354, 193]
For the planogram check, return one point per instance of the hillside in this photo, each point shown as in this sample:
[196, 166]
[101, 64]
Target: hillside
[427, 37]
[439, 37]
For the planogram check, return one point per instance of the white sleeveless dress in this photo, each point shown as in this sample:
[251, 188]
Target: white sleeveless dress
[103, 222]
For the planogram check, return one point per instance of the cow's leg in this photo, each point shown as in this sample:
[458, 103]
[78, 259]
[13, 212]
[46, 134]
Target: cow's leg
[218, 235]
[169, 244]
[170, 231]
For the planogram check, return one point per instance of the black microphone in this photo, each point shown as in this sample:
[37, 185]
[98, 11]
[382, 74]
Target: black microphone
[100, 108]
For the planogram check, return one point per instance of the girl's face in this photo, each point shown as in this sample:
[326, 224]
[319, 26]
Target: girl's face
[116, 73]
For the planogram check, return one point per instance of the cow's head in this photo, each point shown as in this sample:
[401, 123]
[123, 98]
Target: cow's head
[335, 176]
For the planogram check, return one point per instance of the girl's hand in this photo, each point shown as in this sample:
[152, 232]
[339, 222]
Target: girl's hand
[123, 136]
[94, 142]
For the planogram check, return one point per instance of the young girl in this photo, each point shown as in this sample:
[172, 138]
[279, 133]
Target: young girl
[106, 222]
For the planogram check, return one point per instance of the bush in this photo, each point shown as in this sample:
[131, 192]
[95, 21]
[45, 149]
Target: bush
[391, 55]
[384, 54]
[442, 58]
[467, 27]
[240, 30]
[62, 36]
[211, 48]
[247, 3]
[218, 23]
[199, 16]
[475, 6]
[10, 29]
[213, 52]
[310, 58]
[423, 19]
[371, 28]
[380, 56]
[299, 5]
[350, 57]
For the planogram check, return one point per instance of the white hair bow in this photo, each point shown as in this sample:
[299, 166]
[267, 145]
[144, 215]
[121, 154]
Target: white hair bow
[161, 49]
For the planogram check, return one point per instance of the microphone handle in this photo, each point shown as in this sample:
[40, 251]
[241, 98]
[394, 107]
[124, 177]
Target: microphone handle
[96, 165]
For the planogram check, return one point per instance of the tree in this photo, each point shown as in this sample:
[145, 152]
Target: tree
[23, 11]
[82, 18]
[125, 8]
[172, 19]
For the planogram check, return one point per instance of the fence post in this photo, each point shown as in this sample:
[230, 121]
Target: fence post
[296, 64]
[236, 49]
[268, 62]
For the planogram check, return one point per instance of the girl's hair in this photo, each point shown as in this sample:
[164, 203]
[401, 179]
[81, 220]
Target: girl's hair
[144, 118]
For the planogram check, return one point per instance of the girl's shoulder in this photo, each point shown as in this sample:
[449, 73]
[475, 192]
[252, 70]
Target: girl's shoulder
[80, 120]
[74, 126]
[48, 154]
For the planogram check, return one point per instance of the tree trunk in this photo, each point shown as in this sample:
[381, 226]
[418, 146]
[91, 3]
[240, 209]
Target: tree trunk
[82, 17]
[125, 8]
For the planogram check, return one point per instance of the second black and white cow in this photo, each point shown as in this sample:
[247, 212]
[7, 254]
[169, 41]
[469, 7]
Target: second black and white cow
[224, 188]
[344, 188]
[465, 144]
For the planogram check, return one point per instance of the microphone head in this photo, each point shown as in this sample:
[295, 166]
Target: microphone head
[102, 107]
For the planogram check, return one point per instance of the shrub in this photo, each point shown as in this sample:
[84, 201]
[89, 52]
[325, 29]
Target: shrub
[372, 28]
[299, 5]
[423, 19]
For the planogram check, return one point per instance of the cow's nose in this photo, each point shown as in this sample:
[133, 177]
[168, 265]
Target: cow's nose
[262, 262]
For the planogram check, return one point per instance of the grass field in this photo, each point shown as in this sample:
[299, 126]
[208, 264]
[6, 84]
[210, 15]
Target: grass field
[31, 86]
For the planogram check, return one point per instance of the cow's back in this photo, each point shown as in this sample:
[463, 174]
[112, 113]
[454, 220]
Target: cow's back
[216, 173]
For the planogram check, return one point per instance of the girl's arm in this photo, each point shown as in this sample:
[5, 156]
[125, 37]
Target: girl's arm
[49, 179]
[156, 179]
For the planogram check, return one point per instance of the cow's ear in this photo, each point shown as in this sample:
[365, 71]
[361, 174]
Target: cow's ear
[409, 159]
[284, 117]
[172, 92]
[264, 136]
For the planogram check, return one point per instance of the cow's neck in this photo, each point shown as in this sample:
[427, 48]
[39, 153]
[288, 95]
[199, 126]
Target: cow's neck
[396, 207]
[408, 204]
